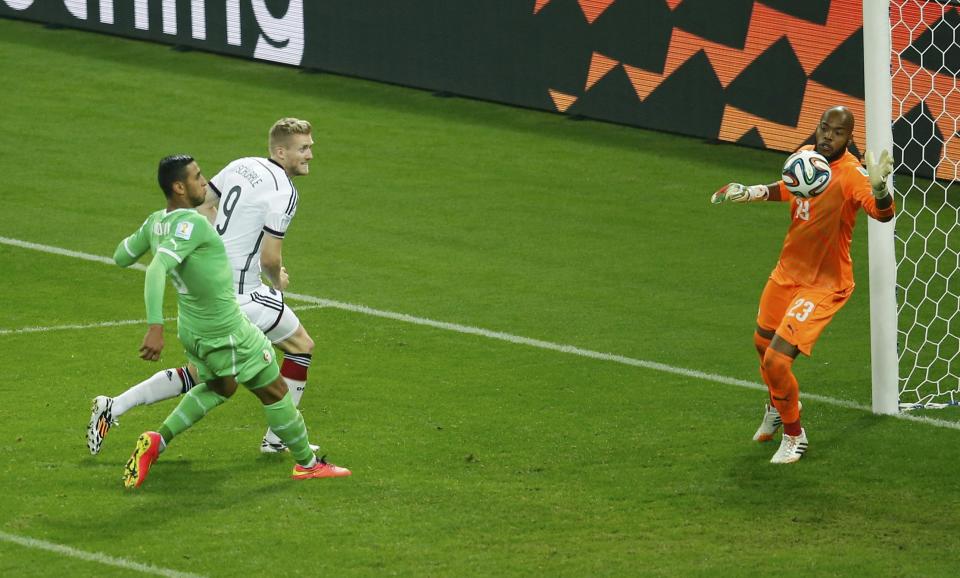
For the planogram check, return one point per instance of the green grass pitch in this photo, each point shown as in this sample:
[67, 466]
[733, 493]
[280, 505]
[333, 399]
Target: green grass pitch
[471, 456]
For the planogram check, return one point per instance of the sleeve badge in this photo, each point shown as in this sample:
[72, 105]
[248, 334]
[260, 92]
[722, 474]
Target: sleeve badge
[184, 230]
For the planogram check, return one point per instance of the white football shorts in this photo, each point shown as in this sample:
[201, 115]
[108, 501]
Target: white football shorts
[265, 309]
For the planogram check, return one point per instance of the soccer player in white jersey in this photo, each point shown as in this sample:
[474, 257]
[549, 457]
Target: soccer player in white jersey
[252, 205]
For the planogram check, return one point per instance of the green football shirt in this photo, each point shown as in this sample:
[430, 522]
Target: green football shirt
[188, 250]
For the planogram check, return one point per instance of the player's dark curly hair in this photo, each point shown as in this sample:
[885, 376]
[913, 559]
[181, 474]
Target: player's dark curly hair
[172, 169]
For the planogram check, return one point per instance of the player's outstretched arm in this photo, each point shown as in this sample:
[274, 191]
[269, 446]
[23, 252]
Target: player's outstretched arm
[737, 193]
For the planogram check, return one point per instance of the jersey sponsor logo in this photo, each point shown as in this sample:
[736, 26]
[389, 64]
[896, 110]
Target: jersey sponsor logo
[184, 230]
[267, 356]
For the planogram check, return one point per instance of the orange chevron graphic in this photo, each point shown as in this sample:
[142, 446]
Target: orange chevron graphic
[913, 85]
[813, 44]
[592, 9]
[919, 21]
[818, 98]
[600, 65]
[643, 82]
[561, 100]
[728, 63]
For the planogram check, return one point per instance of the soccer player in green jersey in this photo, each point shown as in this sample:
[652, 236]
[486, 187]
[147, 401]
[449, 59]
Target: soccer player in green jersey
[218, 339]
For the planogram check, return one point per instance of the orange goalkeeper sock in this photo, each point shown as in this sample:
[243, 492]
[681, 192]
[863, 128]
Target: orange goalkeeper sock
[762, 343]
[784, 389]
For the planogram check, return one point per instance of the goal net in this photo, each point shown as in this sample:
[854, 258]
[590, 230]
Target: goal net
[924, 66]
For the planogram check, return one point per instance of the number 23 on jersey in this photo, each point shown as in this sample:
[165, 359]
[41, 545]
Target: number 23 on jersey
[801, 310]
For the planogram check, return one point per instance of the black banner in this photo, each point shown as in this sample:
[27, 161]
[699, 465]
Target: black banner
[755, 72]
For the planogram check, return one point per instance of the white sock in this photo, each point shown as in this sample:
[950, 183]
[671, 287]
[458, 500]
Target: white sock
[158, 387]
[296, 389]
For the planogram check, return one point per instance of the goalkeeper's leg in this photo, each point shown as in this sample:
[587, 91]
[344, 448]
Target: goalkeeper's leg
[785, 393]
[771, 417]
[784, 389]
[761, 340]
[774, 301]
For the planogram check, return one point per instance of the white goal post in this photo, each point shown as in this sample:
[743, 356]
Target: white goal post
[878, 96]
[912, 104]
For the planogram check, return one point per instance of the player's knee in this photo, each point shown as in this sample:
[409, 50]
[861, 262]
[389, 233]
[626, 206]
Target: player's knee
[307, 341]
[776, 364]
[194, 375]
[225, 387]
[272, 392]
[299, 342]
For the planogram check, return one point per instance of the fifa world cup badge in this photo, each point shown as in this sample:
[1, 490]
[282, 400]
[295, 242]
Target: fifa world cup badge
[184, 230]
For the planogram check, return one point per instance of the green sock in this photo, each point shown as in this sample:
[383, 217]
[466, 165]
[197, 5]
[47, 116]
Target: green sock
[190, 410]
[285, 421]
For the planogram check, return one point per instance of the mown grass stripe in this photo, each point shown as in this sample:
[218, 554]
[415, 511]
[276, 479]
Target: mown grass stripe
[518, 340]
[96, 557]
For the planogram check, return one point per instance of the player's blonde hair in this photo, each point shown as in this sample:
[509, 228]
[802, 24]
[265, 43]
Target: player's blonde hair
[284, 128]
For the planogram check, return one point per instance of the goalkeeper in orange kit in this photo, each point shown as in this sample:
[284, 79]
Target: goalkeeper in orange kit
[814, 275]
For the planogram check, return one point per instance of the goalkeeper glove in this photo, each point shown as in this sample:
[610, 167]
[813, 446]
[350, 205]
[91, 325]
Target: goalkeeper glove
[737, 193]
[878, 170]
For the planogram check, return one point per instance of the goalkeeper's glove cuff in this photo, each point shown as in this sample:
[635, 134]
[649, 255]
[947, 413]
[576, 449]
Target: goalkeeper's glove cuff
[737, 193]
[758, 192]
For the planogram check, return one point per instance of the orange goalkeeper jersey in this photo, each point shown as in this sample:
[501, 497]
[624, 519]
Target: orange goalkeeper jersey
[816, 250]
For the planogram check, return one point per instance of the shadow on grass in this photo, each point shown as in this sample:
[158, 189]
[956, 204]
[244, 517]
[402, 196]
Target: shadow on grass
[176, 491]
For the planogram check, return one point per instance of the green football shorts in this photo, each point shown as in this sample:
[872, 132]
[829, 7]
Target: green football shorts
[246, 354]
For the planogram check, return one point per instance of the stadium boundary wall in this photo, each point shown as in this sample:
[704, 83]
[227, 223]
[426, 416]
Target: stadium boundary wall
[753, 72]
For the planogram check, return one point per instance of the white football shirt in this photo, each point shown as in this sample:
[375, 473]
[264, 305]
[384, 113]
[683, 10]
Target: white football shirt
[257, 198]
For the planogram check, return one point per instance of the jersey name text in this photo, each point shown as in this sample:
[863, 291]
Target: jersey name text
[253, 177]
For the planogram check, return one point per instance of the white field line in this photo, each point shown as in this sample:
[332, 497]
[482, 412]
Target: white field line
[117, 323]
[519, 340]
[93, 557]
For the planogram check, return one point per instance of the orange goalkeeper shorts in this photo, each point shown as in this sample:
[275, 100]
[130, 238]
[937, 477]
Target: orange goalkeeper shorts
[799, 314]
